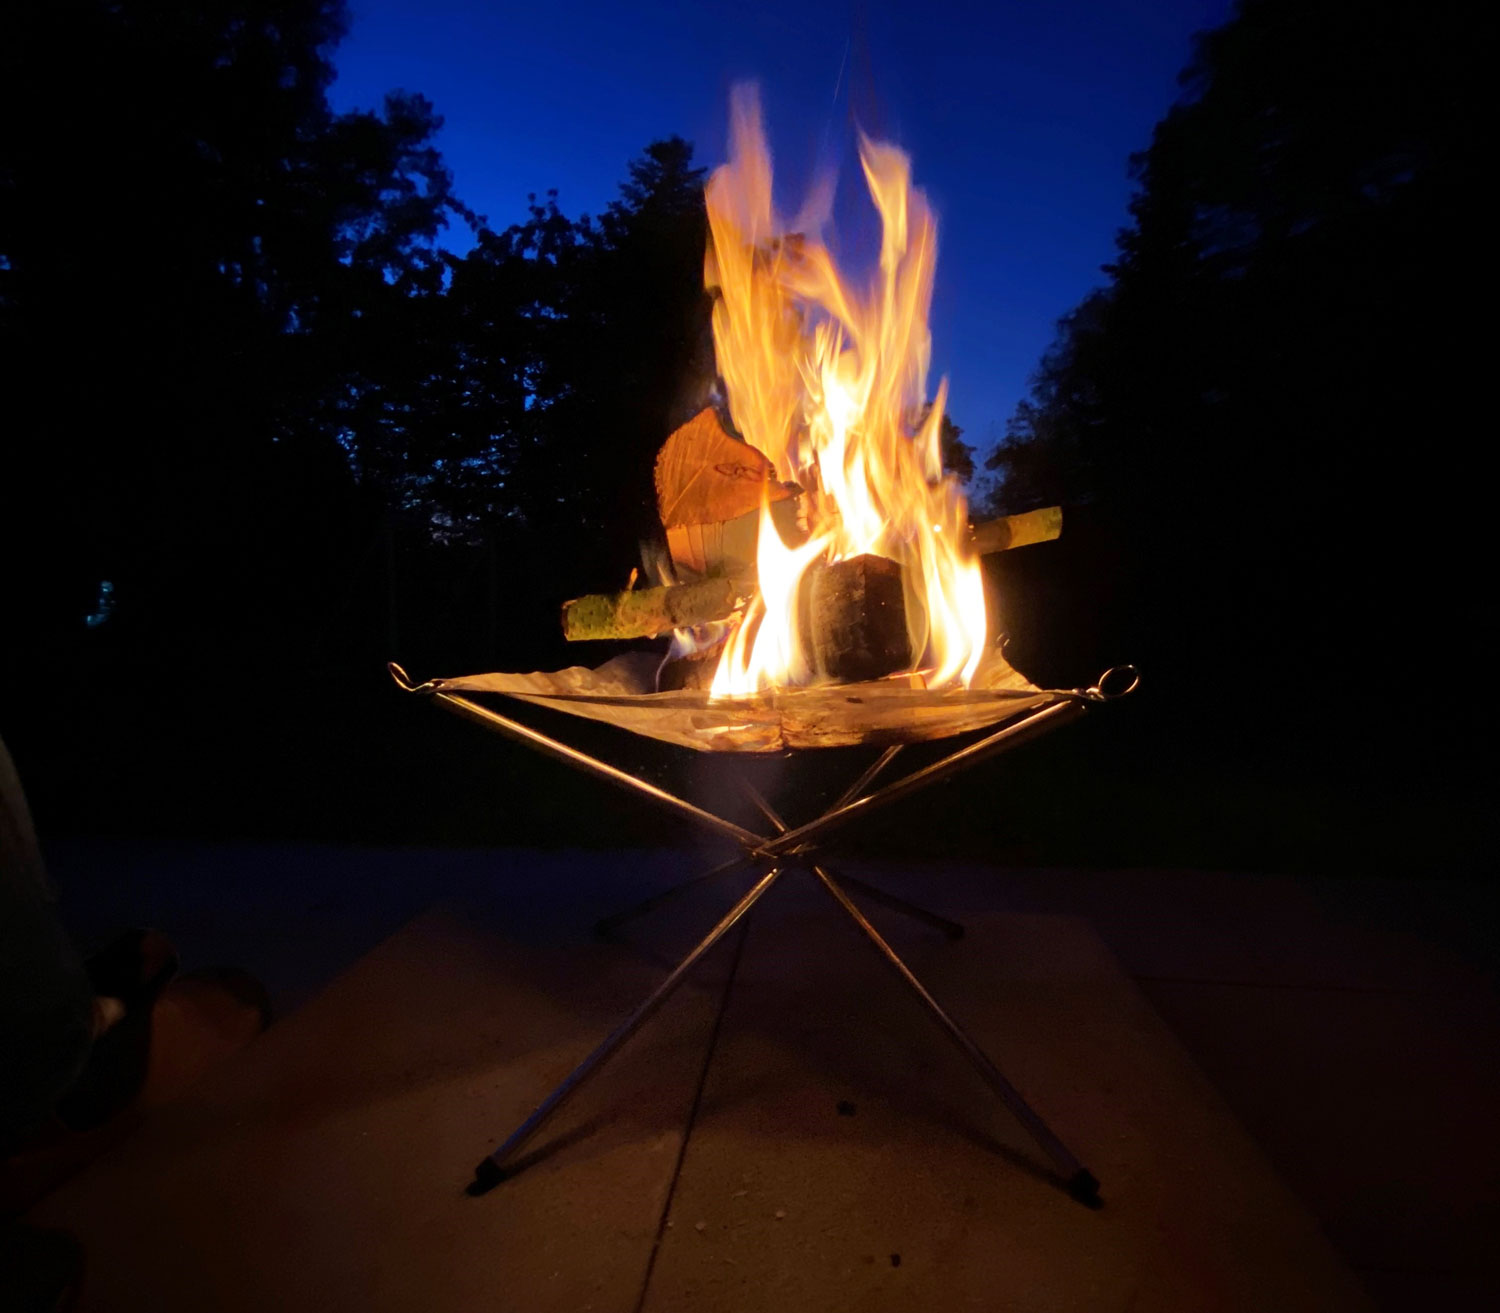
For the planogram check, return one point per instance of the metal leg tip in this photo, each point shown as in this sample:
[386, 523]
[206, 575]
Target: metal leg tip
[487, 1176]
[1085, 1188]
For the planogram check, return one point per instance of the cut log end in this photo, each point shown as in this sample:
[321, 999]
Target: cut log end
[853, 620]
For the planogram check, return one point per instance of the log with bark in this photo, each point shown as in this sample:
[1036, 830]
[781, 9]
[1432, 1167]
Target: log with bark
[1022, 530]
[646, 612]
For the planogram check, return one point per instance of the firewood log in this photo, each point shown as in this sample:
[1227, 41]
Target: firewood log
[646, 612]
[853, 619]
[1022, 530]
[851, 622]
[705, 479]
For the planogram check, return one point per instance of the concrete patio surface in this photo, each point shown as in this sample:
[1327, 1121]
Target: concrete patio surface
[832, 1153]
[1349, 1025]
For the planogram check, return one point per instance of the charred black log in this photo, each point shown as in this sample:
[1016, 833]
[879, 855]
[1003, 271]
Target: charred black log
[853, 620]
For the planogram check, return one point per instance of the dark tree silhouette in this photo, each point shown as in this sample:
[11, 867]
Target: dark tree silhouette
[258, 419]
[199, 264]
[513, 441]
[958, 455]
[631, 363]
[195, 252]
[1265, 411]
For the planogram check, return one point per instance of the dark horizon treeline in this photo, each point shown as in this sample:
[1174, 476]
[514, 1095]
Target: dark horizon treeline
[1271, 417]
[263, 432]
[244, 360]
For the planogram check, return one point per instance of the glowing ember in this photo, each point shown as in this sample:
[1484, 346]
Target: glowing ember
[831, 384]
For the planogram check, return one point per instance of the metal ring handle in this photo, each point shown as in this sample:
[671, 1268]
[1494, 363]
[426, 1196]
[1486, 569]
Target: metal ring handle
[403, 680]
[1125, 680]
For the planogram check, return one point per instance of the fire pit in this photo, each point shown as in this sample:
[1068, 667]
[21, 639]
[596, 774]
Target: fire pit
[819, 577]
[622, 692]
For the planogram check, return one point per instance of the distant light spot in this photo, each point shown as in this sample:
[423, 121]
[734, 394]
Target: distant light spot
[104, 605]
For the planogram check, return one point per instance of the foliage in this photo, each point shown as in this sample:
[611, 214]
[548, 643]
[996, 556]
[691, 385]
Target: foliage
[195, 252]
[255, 413]
[240, 351]
[1266, 403]
[956, 454]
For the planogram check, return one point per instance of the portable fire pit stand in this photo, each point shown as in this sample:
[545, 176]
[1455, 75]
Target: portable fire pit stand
[770, 856]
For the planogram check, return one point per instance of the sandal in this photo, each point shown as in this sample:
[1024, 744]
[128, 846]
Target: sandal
[133, 968]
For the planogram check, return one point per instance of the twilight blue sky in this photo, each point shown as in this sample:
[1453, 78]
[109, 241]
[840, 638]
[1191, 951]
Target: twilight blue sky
[1018, 115]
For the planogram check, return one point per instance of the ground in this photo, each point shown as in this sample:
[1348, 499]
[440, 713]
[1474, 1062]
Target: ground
[1349, 1024]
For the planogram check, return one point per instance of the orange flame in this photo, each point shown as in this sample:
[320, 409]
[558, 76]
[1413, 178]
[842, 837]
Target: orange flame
[831, 383]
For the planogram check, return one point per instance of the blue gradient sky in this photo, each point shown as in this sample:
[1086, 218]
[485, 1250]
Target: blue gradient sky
[1019, 117]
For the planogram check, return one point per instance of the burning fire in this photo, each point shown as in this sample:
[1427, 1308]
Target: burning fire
[830, 382]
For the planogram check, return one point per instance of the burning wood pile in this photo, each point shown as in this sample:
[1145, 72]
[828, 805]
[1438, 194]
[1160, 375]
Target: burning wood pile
[821, 579]
[812, 535]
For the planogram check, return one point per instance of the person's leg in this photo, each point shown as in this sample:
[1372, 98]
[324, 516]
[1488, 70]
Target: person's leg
[46, 999]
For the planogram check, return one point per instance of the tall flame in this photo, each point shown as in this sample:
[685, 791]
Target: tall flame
[830, 382]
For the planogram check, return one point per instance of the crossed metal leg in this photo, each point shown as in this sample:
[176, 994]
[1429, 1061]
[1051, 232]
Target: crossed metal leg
[770, 857]
[606, 927]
